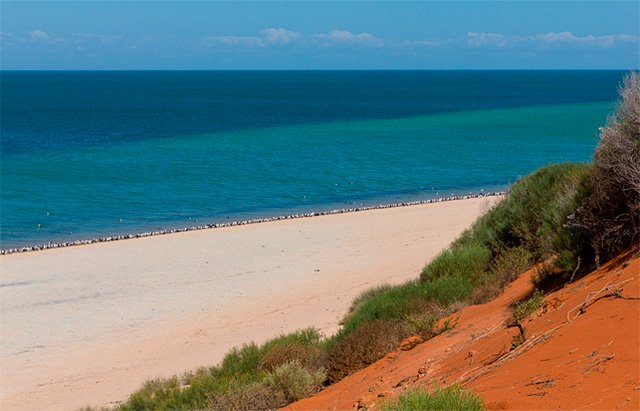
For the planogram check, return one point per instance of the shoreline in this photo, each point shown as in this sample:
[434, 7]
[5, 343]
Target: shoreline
[94, 240]
[88, 325]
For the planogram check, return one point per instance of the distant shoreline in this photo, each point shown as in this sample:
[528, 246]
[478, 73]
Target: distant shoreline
[94, 240]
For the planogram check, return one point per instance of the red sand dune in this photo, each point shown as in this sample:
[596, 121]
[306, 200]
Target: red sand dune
[581, 351]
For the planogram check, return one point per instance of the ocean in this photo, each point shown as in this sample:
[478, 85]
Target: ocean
[94, 153]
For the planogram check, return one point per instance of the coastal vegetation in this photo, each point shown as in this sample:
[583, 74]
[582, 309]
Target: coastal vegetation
[523, 309]
[452, 398]
[566, 218]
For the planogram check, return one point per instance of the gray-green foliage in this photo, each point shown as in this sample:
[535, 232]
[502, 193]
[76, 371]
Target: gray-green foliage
[239, 377]
[294, 381]
[609, 212]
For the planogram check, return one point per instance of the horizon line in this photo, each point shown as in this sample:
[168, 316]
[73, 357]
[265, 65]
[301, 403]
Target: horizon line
[337, 69]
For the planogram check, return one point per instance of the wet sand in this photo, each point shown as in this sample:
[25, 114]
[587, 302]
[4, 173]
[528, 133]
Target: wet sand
[88, 324]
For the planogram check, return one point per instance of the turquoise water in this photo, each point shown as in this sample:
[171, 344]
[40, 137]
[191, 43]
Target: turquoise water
[57, 191]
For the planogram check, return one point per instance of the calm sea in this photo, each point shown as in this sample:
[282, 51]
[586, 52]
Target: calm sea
[88, 154]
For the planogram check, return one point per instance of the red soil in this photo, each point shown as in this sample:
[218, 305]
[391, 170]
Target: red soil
[581, 351]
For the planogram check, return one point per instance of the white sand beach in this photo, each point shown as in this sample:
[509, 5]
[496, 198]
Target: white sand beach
[88, 325]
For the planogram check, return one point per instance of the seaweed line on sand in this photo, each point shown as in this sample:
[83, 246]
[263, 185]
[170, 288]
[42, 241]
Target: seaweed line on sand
[94, 240]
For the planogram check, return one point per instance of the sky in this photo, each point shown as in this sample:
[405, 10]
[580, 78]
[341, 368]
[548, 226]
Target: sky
[207, 35]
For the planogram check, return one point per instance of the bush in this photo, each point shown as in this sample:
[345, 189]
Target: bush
[308, 356]
[294, 381]
[448, 399]
[469, 260]
[307, 337]
[508, 264]
[366, 344]
[447, 290]
[504, 268]
[238, 377]
[384, 303]
[243, 360]
[156, 395]
[525, 308]
[400, 303]
[249, 397]
[610, 212]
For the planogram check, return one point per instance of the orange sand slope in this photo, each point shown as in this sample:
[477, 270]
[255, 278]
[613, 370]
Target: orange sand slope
[581, 351]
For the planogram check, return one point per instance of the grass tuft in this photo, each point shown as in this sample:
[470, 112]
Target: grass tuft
[448, 399]
[523, 309]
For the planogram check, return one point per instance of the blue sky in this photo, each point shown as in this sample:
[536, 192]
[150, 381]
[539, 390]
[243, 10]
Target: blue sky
[319, 35]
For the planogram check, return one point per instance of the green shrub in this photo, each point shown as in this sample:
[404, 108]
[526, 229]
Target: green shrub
[368, 343]
[508, 264]
[447, 290]
[417, 298]
[385, 303]
[504, 268]
[424, 323]
[250, 359]
[533, 213]
[525, 308]
[308, 356]
[449, 399]
[307, 337]
[243, 360]
[294, 381]
[469, 260]
[156, 395]
[241, 367]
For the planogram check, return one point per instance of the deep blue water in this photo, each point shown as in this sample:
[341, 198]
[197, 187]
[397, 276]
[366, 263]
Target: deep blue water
[95, 153]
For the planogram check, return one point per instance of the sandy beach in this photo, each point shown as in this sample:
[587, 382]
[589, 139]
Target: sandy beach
[89, 324]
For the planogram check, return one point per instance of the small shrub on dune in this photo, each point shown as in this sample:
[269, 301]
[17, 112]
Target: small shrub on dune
[525, 308]
[532, 214]
[504, 268]
[249, 397]
[251, 359]
[448, 399]
[416, 299]
[447, 290]
[424, 323]
[156, 395]
[469, 260]
[366, 344]
[385, 303]
[508, 264]
[366, 296]
[237, 379]
[243, 360]
[294, 381]
[308, 356]
[610, 212]
[307, 337]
